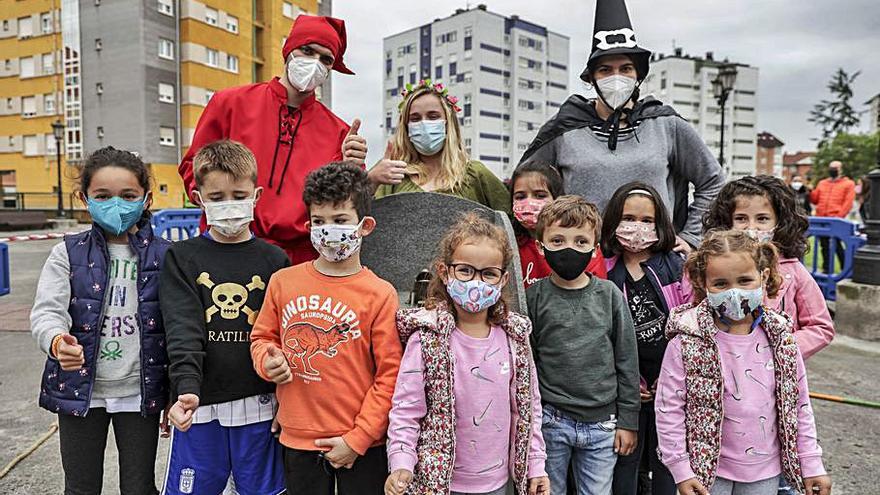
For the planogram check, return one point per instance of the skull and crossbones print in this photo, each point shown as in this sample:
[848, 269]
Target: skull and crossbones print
[230, 299]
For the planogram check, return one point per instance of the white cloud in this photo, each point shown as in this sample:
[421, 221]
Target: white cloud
[796, 45]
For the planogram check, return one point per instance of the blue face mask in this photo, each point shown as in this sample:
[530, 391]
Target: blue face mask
[116, 215]
[428, 136]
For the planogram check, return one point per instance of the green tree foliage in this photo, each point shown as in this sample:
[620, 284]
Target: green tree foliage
[837, 114]
[857, 152]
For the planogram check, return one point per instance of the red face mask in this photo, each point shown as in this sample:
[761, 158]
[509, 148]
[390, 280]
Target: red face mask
[526, 211]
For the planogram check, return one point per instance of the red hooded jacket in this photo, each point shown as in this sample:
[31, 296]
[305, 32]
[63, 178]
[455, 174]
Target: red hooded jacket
[288, 144]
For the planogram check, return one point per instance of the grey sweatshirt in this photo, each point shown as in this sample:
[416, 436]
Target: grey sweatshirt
[585, 351]
[662, 151]
[118, 364]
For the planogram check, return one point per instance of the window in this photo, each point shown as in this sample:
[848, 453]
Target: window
[438, 72]
[232, 63]
[166, 49]
[212, 17]
[468, 38]
[7, 64]
[166, 7]
[46, 22]
[9, 103]
[531, 43]
[232, 24]
[388, 120]
[166, 93]
[529, 105]
[27, 67]
[449, 37]
[99, 88]
[6, 24]
[25, 27]
[98, 44]
[100, 132]
[166, 136]
[412, 73]
[287, 10]
[212, 57]
[30, 145]
[527, 63]
[400, 77]
[48, 63]
[406, 49]
[529, 84]
[208, 95]
[49, 104]
[29, 106]
[50, 144]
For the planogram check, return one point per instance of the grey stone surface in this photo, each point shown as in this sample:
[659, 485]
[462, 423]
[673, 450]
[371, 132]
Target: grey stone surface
[409, 227]
[857, 311]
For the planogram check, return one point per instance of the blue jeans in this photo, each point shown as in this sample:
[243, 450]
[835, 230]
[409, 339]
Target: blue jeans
[589, 447]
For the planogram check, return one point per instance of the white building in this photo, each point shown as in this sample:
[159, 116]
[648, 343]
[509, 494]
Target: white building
[685, 83]
[510, 76]
[873, 113]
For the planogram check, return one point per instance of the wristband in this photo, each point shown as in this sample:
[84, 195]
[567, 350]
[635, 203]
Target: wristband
[53, 349]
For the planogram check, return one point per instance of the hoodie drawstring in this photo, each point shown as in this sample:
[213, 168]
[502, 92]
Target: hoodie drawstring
[283, 138]
[299, 116]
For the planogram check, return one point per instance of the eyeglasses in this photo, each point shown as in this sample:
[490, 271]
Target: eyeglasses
[464, 272]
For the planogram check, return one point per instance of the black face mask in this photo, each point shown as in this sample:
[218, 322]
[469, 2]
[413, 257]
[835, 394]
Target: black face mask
[568, 263]
[833, 173]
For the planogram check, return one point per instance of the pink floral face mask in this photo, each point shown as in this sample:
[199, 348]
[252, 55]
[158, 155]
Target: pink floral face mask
[635, 237]
[526, 211]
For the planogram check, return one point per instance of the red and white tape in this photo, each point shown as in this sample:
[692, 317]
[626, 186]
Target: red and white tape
[36, 237]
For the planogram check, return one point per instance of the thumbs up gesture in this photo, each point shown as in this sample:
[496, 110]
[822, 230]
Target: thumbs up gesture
[69, 353]
[354, 147]
[276, 367]
[386, 170]
[181, 413]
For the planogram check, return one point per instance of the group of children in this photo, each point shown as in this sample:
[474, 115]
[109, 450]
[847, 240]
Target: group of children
[691, 367]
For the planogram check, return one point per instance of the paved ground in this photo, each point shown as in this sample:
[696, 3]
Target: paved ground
[849, 434]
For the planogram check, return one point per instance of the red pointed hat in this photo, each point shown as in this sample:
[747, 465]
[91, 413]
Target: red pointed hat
[325, 31]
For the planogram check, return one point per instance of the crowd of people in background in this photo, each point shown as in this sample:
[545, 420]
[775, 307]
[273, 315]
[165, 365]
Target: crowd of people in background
[661, 350]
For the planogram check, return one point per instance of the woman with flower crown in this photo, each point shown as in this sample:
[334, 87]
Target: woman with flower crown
[426, 152]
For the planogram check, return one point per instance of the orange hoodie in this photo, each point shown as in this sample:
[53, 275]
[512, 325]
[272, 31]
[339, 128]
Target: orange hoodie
[340, 339]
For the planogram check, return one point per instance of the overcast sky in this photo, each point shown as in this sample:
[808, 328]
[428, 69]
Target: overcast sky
[796, 44]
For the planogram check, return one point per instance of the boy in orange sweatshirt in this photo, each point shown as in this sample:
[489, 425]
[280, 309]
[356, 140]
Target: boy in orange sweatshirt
[326, 336]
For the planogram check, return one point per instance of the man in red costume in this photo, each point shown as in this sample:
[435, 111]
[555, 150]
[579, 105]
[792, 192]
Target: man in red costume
[287, 129]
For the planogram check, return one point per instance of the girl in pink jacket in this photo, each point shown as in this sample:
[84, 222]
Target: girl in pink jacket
[767, 210]
[732, 404]
[466, 412]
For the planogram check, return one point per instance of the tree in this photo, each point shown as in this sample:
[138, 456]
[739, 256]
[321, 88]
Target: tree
[836, 115]
[857, 152]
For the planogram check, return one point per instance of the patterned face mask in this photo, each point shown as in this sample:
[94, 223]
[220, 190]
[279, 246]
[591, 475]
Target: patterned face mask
[473, 296]
[635, 237]
[526, 211]
[760, 235]
[736, 304]
[336, 242]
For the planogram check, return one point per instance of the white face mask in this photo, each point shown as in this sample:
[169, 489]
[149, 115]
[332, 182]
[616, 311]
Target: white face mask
[616, 90]
[229, 218]
[336, 242]
[306, 74]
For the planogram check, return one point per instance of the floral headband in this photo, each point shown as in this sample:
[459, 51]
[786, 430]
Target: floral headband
[439, 89]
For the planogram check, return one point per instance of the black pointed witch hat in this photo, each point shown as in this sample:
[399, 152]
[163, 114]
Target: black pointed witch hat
[613, 34]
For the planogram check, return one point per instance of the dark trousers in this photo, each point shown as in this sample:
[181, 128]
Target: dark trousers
[626, 472]
[83, 440]
[308, 473]
[827, 256]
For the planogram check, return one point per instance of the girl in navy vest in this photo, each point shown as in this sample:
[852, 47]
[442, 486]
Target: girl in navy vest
[639, 238]
[96, 315]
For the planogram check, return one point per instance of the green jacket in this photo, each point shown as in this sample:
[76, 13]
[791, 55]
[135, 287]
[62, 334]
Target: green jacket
[480, 185]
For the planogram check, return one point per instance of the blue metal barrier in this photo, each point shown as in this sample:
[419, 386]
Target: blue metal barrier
[4, 269]
[177, 224]
[836, 229]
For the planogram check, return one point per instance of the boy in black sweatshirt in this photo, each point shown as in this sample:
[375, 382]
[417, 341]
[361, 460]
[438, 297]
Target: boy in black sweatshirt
[211, 291]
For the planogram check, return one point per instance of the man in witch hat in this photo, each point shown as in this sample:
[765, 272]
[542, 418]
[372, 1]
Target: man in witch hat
[287, 129]
[601, 144]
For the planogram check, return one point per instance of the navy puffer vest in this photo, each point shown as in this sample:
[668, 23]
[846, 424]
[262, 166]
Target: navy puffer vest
[69, 392]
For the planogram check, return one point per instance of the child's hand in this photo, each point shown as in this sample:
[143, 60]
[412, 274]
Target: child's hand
[625, 441]
[276, 367]
[69, 353]
[692, 487]
[645, 394]
[818, 485]
[181, 413]
[340, 454]
[164, 427]
[539, 486]
[681, 246]
[276, 427]
[397, 482]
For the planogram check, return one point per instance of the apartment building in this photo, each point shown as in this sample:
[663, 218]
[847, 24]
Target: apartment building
[509, 74]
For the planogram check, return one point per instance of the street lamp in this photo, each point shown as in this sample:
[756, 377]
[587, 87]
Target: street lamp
[722, 85]
[58, 132]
